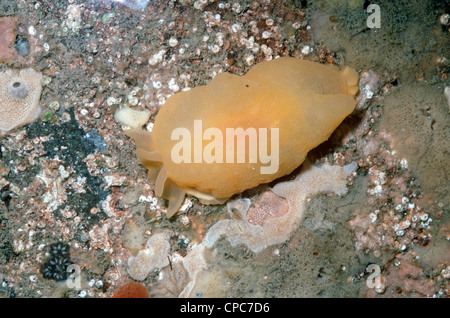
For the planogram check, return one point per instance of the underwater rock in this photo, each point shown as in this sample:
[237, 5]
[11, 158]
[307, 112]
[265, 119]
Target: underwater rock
[133, 4]
[277, 228]
[447, 95]
[133, 236]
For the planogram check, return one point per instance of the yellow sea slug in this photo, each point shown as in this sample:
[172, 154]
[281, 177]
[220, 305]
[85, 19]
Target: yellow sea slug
[240, 131]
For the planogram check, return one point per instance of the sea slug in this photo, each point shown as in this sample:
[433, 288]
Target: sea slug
[240, 131]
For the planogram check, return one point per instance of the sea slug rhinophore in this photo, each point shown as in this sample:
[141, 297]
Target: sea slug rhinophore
[291, 104]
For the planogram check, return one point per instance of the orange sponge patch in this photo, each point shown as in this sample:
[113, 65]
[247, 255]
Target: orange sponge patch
[131, 290]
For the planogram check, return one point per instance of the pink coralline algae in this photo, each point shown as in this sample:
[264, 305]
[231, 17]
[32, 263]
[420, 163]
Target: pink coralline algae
[7, 26]
[268, 206]
[403, 277]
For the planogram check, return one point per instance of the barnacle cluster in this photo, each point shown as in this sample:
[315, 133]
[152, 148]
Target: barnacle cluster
[55, 267]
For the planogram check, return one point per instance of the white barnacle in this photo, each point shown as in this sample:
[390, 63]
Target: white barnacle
[18, 88]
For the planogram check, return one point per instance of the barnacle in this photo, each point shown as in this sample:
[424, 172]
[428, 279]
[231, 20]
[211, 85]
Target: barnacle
[18, 88]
